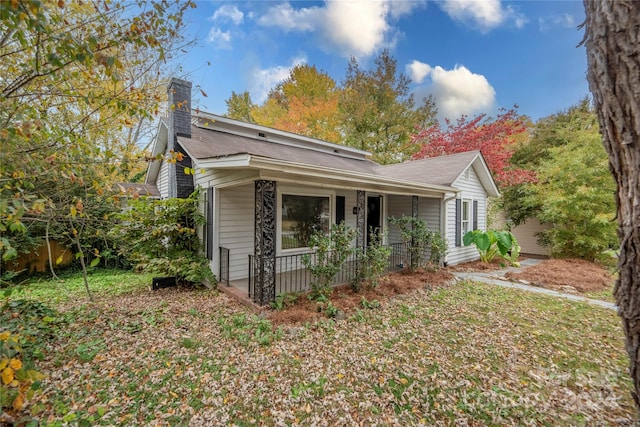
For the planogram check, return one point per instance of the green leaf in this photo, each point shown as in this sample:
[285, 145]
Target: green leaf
[469, 238]
[483, 242]
[95, 262]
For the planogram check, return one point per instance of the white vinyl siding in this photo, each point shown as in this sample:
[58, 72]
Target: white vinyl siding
[163, 180]
[224, 177]
[236, 227]
[471, 190]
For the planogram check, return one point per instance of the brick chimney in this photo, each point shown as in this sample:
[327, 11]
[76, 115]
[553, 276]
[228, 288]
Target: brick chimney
[179, 91]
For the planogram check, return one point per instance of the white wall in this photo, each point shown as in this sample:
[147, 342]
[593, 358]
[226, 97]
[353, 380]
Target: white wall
[162, 181]
[235, 227]
[471, 189]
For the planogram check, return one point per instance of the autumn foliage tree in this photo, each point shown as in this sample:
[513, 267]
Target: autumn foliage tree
[74, 81]
[305, 103]
[495, 138]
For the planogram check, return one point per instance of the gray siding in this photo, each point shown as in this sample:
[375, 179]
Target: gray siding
[471, 189]
[398, 206]
[428, 211]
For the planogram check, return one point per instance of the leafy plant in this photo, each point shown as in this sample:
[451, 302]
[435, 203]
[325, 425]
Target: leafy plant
[420, 240]
[331, 252]
[285, 300]
[492, 243]
[160, 236]
[364, 303]
[330, 310]
[372, 263]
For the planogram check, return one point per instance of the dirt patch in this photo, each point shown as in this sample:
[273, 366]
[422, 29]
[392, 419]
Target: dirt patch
[558, 274]
[346, 300]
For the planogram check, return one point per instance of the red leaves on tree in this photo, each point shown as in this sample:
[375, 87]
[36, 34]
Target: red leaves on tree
[494, 138]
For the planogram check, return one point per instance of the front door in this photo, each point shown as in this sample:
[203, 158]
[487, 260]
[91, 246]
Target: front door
[374, 214]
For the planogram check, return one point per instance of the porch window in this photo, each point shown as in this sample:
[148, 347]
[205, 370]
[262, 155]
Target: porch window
[301, 217]
[466, 216]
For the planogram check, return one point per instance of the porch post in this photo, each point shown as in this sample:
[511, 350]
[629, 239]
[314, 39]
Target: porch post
[265, 241]
[414, 215]
[361, 224]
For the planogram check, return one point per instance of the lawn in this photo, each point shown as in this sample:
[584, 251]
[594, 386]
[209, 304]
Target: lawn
[465, 354]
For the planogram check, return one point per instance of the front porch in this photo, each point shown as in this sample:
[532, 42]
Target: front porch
[292, 276]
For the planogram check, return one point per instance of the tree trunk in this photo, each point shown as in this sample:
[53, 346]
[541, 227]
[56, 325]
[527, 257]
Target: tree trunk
[612, 39]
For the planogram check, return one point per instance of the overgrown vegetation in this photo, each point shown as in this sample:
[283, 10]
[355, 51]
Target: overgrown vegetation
[80, 83]
[161, 236]
[425, 246]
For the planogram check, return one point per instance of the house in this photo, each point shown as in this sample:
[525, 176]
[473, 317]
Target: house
[264, 190]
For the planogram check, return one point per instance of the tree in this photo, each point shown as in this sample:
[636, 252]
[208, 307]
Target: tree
[378, 114]
[611, 40]
[305, 103]
[240, 106]
[495, 138]
[74, 79]
[574, 189]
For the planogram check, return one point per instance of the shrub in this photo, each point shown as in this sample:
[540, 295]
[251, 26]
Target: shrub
[420, 240]
[160, 236]
[331, 252]
[372, 263]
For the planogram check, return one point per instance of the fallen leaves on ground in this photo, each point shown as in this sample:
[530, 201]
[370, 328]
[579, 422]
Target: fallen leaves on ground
[582, 275]
[463, 354]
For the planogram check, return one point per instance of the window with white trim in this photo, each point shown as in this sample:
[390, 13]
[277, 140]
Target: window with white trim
[465, 220]
[302, 216]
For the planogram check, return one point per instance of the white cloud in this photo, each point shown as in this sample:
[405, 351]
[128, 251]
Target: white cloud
[228, 13]
[563, 21]
[221, 39]
[356, 28]
[485, 15]
[263, 80]
[284, 16]
[418, 71]
[457, 91]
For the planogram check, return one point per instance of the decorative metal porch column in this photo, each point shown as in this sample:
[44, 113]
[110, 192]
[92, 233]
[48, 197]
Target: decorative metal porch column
[361, 224]
[414, 215]
[265, 242]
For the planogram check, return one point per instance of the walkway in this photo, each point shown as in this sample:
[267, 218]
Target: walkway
[497, 277]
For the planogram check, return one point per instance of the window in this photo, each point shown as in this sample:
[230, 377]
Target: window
[301, 217]
[465, 221]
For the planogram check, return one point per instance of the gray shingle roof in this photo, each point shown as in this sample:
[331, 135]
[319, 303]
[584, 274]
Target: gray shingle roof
[442, 170]
[208, 144]
[214, 144]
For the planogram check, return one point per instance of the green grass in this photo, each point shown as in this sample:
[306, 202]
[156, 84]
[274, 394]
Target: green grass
[70, 286]
[468, 353]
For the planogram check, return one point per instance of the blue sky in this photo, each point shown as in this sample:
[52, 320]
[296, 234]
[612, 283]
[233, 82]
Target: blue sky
[474, 56]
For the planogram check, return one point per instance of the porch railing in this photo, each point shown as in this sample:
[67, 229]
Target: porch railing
[293, 276]
[224, 266]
